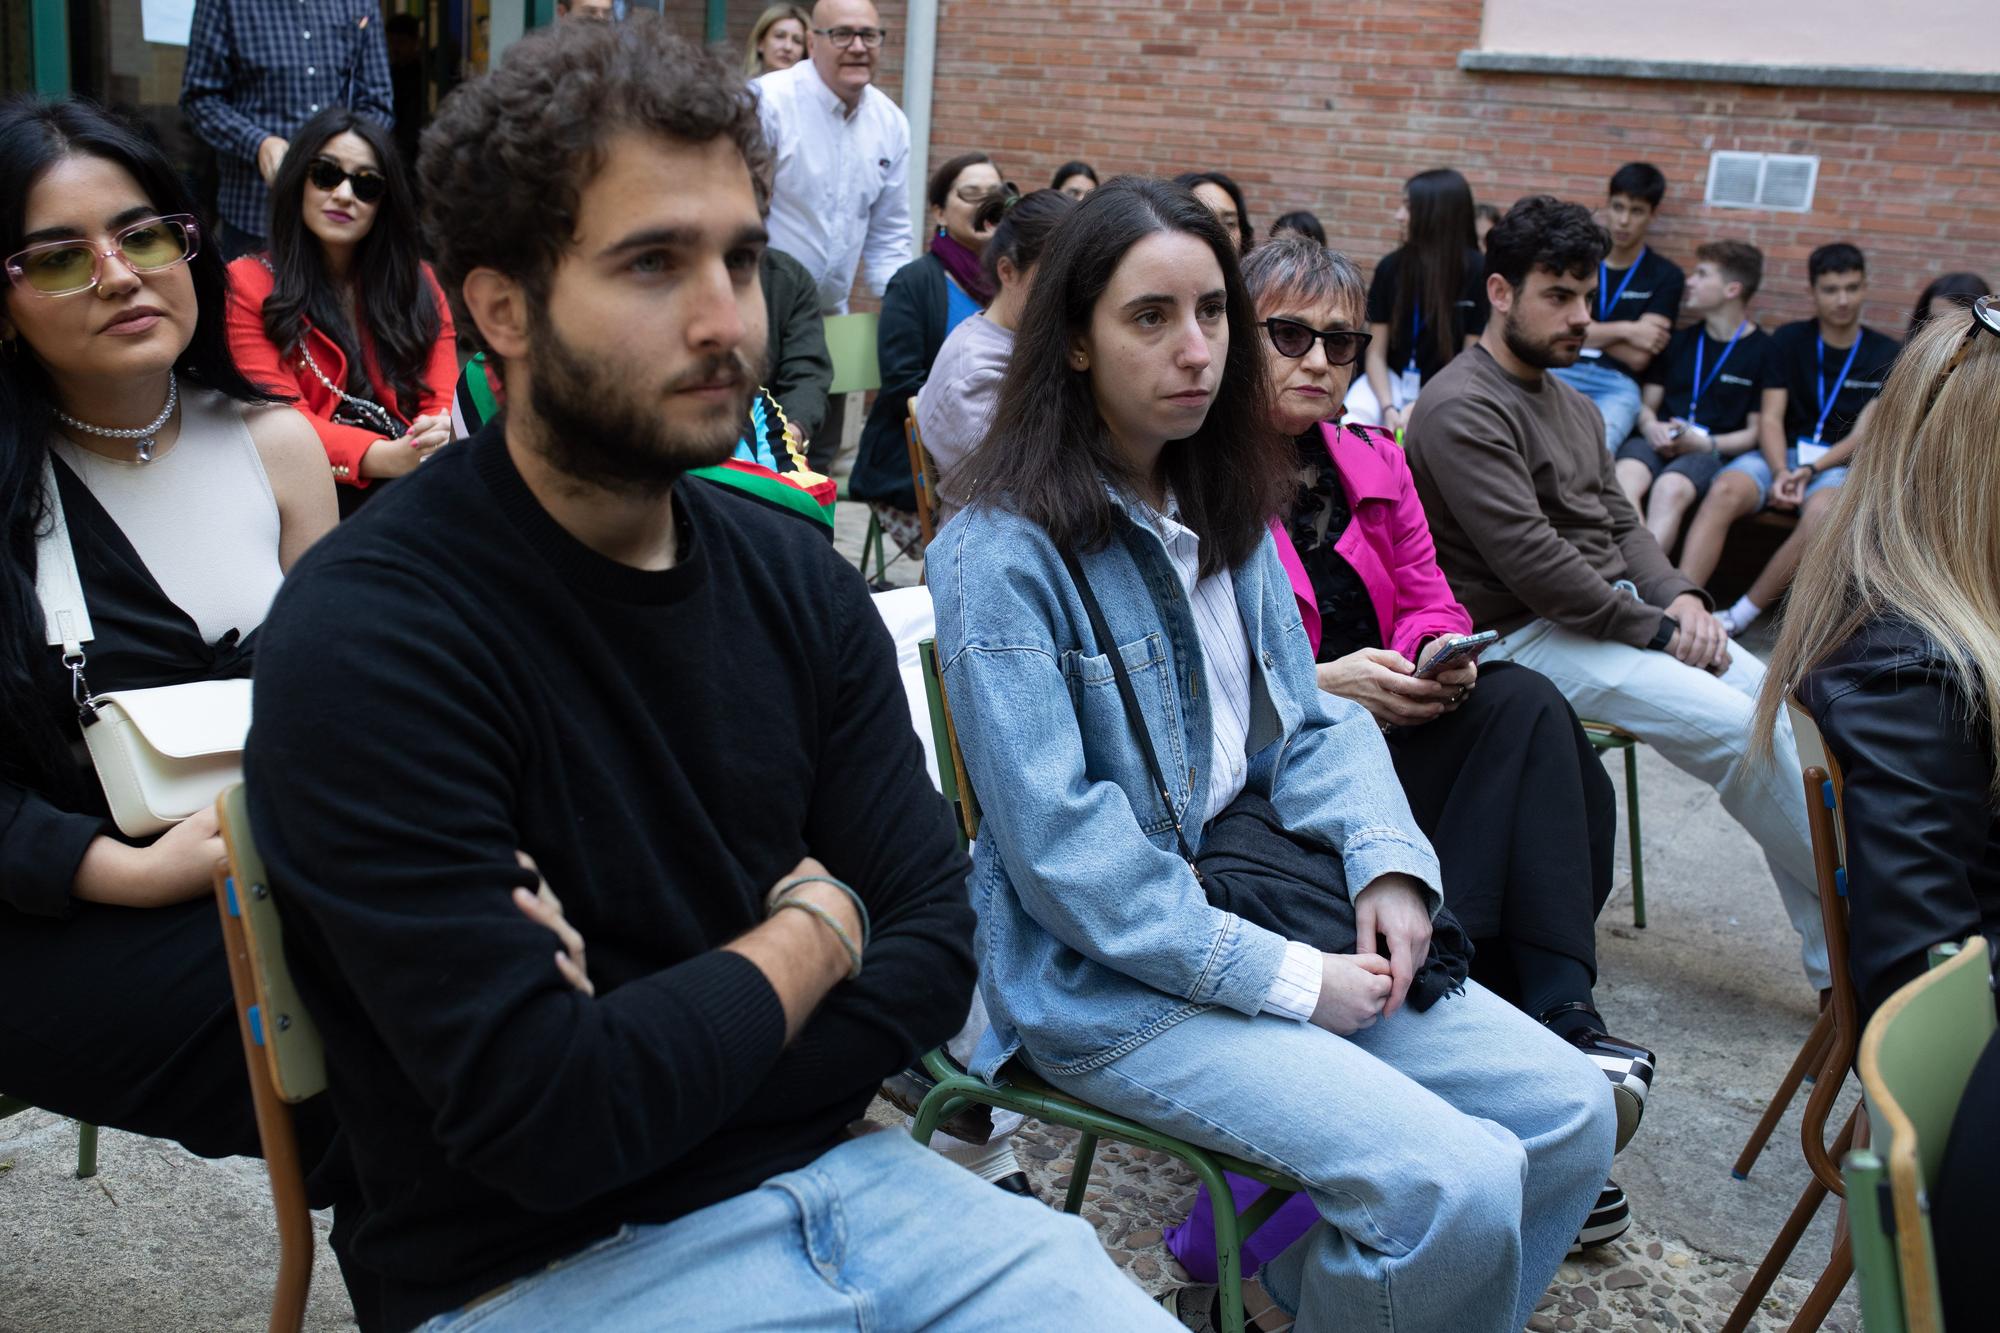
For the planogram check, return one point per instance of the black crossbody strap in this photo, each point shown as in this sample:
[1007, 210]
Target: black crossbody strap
[1109, 647]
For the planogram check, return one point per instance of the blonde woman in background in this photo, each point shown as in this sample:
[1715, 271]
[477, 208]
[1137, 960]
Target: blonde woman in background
[1892, 640]
[777, 41]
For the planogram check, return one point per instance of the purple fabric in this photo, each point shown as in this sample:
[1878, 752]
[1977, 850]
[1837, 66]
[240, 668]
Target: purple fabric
[964, 267]
[1193, 1241]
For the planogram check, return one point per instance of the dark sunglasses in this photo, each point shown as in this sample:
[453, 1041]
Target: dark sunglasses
[326, 174]
[1294, 340]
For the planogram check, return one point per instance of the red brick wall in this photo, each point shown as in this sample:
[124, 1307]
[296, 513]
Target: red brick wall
[1329, 107]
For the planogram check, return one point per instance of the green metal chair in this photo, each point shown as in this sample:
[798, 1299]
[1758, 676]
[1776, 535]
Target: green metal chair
[86, 1136]
[281, 1046]
[857, 368]
[1603, 737]
[1916, 1057]
[1031, 1096]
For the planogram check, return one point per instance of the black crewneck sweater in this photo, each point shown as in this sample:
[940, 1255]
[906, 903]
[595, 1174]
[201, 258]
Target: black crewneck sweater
[450, 676]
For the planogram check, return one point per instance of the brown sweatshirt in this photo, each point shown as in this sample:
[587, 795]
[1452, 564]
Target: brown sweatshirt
[1525, 509]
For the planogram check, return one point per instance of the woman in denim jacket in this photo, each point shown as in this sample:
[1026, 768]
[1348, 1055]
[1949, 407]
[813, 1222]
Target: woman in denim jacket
[1453, 1152]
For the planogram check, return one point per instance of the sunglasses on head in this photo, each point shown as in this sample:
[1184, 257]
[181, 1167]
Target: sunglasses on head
[326, 174]
[64, 268]
[1985, 318]
[1294, 340]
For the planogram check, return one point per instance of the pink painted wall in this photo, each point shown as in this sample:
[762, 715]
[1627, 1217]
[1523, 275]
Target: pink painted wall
[1957, 35]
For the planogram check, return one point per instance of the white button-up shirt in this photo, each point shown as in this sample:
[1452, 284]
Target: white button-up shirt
[841, 194]
[1225, 652]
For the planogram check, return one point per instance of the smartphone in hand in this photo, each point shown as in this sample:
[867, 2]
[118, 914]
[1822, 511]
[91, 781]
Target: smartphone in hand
[1458, 648]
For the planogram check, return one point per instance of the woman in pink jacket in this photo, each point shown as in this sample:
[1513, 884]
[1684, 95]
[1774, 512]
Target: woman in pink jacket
[1498, 772]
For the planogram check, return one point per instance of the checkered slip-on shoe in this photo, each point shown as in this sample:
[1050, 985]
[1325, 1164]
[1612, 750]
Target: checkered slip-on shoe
[1627, 1064]
[1630, 1069]
[1610, 1219]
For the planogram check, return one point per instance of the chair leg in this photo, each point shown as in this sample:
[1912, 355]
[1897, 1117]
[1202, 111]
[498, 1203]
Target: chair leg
[1788, 1240]
[1826, 1291]
[86, 1151]
[1810, 1056]
[874, 542]
[1079, 1175]
[1632, 835]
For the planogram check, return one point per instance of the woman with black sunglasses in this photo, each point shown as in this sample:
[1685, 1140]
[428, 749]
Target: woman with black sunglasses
[341, 312]
[1498, 772]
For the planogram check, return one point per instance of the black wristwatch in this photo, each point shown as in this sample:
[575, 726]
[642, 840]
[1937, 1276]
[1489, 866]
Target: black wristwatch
[1664, 635]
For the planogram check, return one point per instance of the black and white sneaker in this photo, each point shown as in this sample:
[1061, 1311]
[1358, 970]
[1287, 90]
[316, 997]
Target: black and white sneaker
[1627, 1064]
[1630, 1068]
[1610, 1219]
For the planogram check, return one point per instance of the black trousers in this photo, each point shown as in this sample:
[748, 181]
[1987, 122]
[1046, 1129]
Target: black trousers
[122, 1017]
[1521, 813]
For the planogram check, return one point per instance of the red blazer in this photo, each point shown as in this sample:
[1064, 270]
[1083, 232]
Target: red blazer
[1387, 541]
[257, 356]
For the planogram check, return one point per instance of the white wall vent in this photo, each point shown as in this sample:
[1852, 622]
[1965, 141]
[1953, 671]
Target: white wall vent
[1776, 181]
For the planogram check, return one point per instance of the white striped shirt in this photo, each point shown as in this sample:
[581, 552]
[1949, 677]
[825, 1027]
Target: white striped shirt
[1225, 652]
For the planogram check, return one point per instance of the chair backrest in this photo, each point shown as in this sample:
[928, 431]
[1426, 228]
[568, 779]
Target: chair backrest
[276, 1015]
[950, 760]
[923, 474]
[1916, 1059]
[850, 342]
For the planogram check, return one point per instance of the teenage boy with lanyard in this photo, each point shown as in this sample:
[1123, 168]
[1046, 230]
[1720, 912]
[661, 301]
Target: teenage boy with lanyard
[1830, 369]
[1638, 296]
[1705, 396]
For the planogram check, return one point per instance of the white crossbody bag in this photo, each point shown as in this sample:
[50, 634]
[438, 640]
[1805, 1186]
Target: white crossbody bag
[161, 753]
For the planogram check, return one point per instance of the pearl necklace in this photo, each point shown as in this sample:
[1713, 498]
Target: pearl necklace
[145, 435]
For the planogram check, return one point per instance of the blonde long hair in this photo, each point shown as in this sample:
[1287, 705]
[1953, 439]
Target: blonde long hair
[1915, 531]
[752, 64]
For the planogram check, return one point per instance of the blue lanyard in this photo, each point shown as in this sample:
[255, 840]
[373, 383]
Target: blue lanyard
[1416, 332]
[1826, 400]
[1604, 307]
[1700, 384]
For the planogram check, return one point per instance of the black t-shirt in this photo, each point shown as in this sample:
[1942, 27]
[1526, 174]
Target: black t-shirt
[1468, 315]
[1803, 372]
[1734, 384]
[1652, 286]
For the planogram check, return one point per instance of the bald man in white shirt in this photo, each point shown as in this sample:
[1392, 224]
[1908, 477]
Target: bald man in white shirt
[840, 197]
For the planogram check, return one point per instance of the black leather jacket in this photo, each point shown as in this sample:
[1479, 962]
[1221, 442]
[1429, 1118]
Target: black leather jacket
[1916, 757]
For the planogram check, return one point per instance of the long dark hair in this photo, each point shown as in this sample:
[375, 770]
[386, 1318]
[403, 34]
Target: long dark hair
[1963, 288]
[1245, 231]
[1432, 271]
[34, 136]
[1021, 226]
[1048, 452]
[389, 289]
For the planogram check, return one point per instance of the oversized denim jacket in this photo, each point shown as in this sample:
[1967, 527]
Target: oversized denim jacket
[1094, 935]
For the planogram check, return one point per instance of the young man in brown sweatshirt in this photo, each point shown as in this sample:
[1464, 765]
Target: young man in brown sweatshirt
[1540, 543]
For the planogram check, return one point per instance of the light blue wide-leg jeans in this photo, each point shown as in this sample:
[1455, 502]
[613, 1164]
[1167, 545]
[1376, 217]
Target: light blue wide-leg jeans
[1452, 1154]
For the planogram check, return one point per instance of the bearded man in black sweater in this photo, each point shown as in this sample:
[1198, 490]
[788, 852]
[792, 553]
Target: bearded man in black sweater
[684, 708]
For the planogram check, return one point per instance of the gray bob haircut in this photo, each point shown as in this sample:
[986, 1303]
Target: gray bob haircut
[1295, 268]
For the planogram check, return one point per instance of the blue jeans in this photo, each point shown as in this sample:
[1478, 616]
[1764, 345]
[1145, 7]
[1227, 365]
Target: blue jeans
[1452, 1154]
[878, 1234]
[1615, 393]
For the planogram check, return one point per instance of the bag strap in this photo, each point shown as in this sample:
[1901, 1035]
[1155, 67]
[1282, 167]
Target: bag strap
[66, 617]
[1102, 633]
[57, 583]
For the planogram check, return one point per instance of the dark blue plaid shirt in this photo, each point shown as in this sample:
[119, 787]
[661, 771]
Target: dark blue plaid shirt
[257, 68]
